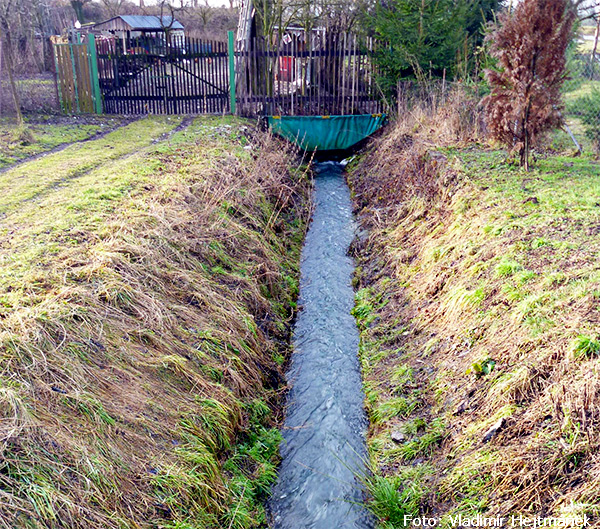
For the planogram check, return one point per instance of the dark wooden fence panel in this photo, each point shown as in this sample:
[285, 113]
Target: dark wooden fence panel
[190, 76]
[333, 74]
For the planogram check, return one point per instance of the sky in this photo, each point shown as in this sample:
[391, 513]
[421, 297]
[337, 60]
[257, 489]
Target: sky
[213, 3]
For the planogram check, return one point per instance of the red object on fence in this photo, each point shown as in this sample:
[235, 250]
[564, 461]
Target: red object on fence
[286, 68]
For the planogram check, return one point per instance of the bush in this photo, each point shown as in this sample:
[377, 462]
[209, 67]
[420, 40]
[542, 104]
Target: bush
[530, 45]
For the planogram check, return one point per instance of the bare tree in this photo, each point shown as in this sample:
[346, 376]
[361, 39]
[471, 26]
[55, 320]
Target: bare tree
[77, 6]
[166, 12]
[113, 7]
[8, 16]
[587, 9]
[204, 12]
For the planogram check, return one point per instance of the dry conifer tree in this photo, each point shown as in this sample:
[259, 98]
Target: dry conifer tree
[530, 45]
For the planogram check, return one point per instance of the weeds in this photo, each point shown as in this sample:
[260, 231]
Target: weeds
[427, 439]
[394, 497]
[394, 407]
[585, 347]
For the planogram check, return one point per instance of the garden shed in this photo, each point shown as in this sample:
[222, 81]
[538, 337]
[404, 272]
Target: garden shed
[128, 28]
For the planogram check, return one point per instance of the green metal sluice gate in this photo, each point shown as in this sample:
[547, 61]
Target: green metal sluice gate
[326, 133]
[318, 90]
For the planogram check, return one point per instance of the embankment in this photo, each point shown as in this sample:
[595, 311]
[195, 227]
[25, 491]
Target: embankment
[147, 283]
[478, 303]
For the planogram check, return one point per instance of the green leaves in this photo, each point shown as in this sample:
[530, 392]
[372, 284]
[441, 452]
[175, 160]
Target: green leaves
[482, 368]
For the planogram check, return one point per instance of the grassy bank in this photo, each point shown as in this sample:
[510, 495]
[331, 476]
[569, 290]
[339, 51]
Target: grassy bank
[147, 282]
[478, 306]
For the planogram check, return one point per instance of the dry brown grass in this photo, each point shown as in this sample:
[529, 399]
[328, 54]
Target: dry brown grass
[463, 267]
[140, 328]
[407, 161]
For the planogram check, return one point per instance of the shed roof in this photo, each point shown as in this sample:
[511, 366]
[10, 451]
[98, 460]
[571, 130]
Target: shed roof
[140, 23]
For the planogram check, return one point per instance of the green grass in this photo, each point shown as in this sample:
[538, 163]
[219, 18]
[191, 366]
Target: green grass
[494, 326]
[507, 268]
[41, 178]
[427, 438]
[132, 326]
[586, 347]
[364, 310]
[394, 407]
[393, 498]
[47, 134]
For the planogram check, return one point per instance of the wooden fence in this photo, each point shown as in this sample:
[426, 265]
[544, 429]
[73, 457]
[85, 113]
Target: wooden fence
[329, 73]
[189, 76]
[77, 78]
[332, 74]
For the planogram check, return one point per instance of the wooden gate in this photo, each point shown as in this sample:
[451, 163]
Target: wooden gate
[77, 78]
[158, 76]
[299, 74]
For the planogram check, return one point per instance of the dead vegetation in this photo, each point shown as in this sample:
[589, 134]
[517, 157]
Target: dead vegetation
[478, 305]
[144, 314]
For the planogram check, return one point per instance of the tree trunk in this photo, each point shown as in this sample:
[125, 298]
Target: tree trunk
[77, 6]
[525, 152]
[9, 65]
[595, 48]
[525, 136]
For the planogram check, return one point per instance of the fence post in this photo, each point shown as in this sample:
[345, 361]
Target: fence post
[94, 80]
[231, 46]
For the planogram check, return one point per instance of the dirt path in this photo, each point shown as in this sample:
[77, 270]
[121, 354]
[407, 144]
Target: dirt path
[61, 147]
[34, 179]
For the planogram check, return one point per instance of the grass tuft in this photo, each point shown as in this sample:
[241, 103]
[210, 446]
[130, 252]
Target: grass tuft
[585, 347]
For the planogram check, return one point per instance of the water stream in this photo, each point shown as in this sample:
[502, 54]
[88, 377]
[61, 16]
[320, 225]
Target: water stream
[324, 443]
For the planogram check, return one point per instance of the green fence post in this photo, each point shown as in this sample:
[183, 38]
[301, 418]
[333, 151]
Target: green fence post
[95, 81]
[232, 72]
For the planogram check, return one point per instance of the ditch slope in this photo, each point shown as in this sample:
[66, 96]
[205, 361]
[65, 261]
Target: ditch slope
[479, 315]
[147, 283]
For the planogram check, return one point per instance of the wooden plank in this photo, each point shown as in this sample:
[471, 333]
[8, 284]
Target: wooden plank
[261, 68]
[194, 45]
[84, 78]
[56, 74]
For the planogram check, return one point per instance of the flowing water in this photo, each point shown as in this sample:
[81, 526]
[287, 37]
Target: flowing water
[324, 433]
